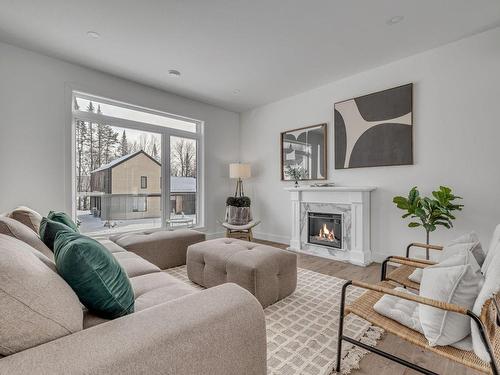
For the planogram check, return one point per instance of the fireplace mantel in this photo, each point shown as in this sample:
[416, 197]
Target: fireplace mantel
[331, 188]
[353, 202]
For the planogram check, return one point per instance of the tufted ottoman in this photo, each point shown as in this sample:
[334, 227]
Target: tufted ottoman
[269, 273]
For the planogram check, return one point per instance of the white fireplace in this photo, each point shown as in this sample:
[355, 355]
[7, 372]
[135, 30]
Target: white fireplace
[332, 222]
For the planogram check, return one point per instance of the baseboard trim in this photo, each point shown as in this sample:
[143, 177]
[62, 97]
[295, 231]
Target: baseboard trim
[376, 256]
[380, 257]
[271, 237]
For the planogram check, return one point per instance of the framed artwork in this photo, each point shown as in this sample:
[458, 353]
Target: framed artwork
[303, 151]
[375, 130]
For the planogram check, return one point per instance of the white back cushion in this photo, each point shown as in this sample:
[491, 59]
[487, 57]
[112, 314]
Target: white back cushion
[495, 239]
[490, 288]
[469, 238]
[467, 241]
[455, 280]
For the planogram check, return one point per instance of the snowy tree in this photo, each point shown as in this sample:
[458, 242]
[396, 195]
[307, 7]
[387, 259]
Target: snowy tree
[154, 152]
[183, 158]
[81, 140]
[124, 147]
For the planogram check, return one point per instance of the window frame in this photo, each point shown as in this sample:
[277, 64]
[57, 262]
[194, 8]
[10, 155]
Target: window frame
[144, 182]
[165, 133]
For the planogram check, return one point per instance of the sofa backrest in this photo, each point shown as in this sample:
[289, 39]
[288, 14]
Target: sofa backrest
[36, 304]
[16, 229]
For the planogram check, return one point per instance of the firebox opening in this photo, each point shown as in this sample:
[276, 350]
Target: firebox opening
[325, 229]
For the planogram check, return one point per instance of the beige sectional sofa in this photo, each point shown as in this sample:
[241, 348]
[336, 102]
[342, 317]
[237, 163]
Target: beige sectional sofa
[175, 329]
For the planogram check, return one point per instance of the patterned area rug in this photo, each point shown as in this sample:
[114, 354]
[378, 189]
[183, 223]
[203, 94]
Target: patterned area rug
[302, 328]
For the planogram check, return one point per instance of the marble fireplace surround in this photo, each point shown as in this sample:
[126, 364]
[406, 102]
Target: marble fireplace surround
[353, 203]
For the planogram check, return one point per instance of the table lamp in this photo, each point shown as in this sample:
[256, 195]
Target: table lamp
[239, 171]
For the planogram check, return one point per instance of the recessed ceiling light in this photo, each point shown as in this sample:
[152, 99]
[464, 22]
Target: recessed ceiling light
[394, 20]
[236, 91]
[93, 34]
[174, 73]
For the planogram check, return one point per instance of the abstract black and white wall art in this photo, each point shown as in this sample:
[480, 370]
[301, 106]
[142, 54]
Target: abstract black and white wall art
[375, 129]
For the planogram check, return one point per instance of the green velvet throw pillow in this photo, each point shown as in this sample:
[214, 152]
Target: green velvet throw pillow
[63, 218]
[49, 229]
[94, 274]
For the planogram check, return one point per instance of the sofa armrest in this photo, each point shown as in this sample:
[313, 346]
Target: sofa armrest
[217, 331]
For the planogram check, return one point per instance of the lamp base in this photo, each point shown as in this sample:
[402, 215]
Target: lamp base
[239, 188]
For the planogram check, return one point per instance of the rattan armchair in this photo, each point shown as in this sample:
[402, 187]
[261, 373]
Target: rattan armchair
[363, 307]
[407, 265]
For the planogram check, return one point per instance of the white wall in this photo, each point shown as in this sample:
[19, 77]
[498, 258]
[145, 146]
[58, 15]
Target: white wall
[35, 164]
[456, 142]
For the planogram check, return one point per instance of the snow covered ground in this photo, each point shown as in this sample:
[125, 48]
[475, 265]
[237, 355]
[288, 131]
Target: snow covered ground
[91, 225]
[94, 226]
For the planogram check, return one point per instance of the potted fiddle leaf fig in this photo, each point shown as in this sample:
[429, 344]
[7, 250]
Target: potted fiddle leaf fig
[429, 212]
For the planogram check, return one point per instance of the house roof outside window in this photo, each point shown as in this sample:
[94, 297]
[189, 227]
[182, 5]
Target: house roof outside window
[177, 184]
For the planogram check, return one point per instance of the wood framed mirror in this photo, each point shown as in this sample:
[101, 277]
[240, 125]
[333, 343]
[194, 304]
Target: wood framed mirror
[304, 150]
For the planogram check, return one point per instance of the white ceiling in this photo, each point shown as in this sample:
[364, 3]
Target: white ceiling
[266, 49]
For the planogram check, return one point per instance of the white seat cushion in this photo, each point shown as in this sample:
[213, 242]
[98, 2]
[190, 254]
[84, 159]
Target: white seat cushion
[400, 310]
[407, 313]
[455, 280]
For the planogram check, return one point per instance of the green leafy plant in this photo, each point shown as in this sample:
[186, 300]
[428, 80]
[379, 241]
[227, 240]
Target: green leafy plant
[430, 212]
[238, 201]
[295, 173]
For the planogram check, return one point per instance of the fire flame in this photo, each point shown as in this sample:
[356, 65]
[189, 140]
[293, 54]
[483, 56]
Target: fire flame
[326, 233]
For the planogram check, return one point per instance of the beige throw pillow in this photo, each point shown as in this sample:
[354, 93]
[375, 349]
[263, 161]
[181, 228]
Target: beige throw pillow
[14, 228]
[28, 217]
[36, 304]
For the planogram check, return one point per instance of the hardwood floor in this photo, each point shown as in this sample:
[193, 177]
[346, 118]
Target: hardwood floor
[372, 363]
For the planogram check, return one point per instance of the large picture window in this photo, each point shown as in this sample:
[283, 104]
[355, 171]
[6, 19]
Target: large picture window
[134, 168]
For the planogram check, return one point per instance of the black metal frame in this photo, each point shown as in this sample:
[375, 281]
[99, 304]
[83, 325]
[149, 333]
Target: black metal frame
[383, 277]
[392, 357]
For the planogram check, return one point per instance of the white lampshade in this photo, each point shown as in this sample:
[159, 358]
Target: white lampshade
[239, 170]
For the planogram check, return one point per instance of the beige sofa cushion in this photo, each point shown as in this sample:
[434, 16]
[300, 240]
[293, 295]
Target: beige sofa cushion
[155, 288]
[14, 228]
[134, 265]
[111, 246]
[36, 304]
[28, 217]
[149, 290]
